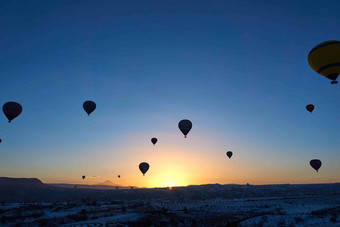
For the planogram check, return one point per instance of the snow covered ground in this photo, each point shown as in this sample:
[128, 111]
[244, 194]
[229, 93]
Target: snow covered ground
[210, 205]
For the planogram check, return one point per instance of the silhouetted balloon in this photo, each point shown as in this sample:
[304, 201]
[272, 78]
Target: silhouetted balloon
[310, 107]
[185, 127]
[118, 176]
[154, 140]
[11, 110]
[89, 107]
[0, 140]
[83, 177]
[229, 154]
[144, 167]
[316, 164]
[324, 59]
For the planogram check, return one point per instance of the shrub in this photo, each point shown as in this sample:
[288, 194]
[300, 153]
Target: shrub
[281, 222]
[83, 211]
[185, 210]
[333, 218]
[298, 219]
[38, 214]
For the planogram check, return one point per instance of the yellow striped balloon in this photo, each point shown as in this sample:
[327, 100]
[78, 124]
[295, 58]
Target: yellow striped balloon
[325, 59]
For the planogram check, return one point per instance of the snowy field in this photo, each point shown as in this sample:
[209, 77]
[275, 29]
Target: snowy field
[208, 205]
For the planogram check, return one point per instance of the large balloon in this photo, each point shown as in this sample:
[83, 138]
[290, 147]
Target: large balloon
[229, 154]
[185, 127]
[118, 176]
[324, 59]
[89, 107]
[144, 167]
[11, 110]
[310, 107]
[316, 164]
[154, 140]
[83, 177]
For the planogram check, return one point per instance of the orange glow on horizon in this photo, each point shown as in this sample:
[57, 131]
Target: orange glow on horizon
[176, 161]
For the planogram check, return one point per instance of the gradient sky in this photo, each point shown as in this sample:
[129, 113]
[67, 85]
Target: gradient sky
[237, 69]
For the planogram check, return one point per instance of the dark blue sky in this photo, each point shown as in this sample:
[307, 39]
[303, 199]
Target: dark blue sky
[237, 69]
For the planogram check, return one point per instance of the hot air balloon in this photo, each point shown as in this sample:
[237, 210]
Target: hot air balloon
[324, 59]
[310, 107]
[118, 176]
[315, 164]
[229, 154]
[154, 140]
[185, 127]
[83, 177]
[144, 167]
[89, 107]
[0, 140]
[11, 110]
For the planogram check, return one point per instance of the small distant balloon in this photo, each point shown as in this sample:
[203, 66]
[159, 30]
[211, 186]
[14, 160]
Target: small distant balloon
[310, 107]
[83, 177]
[154, 140]
[185, 127]
[144, 167]
[118, 176]
[229, 154]
[11, 110]
[0, 140]
[89, 107]
[315, 164]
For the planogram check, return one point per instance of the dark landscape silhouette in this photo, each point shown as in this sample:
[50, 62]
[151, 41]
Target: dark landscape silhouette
[29, 200]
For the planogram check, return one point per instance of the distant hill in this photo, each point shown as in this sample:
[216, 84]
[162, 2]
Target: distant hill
[20, 182]
[23, 190]
[107, 183]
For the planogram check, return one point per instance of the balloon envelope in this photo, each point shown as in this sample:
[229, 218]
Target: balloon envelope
[310, 107]
[144, 167]
[83, 177]
[154, 140]
[11, 110]
[229, 154]
[185, 127]
[324, 59]
[315, 164]
[0, 140]
[118, 176]
[89, 107]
